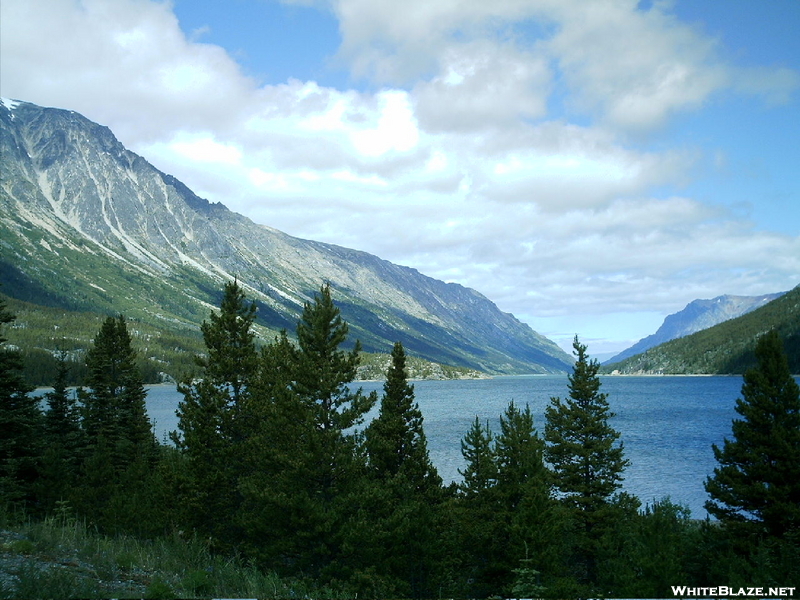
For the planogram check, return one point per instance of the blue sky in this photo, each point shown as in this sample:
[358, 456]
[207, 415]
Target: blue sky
[589, 165]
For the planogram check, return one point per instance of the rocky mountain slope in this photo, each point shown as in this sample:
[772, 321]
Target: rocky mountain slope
[87, 225]
[698, 315]
[726, 348]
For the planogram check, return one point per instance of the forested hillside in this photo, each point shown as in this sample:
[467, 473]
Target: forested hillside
[727, 348]
[276, 486]
[44, 334]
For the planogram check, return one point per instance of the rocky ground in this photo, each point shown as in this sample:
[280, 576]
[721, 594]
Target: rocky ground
[26, 572]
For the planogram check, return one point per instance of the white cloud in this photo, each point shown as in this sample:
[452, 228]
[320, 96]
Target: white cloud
[466, 171]
[483, 84]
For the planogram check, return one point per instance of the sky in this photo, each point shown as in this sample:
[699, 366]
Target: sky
[590, 166]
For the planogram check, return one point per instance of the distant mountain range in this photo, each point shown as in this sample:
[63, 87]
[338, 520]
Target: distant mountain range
[725, 348]
[86, 225]
[698, 315]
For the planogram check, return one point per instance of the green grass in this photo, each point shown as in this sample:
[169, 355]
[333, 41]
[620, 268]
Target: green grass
[60, 557]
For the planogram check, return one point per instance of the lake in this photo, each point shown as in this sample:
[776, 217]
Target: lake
[668, 423]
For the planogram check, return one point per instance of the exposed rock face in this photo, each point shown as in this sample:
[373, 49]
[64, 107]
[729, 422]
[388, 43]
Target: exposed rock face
[698, 315]
[87, 224]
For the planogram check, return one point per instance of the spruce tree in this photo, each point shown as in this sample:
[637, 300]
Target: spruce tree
[209, 416]
[117, 433]
[62, 439]
[20, 424]
[582, 449]
[756, 487]
[587, 464]
[401, 523]
[114, 410]
[396, 443]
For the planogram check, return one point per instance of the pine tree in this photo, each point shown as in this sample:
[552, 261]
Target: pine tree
[209, 416]
[480, 473]
[587, 464]
[229, 340]
[519, 452]
[114, 409]
[62, 419]
[395, 440]
[62, 438]
[117, 433]
[324, 370]
[582, 449]
[278, 454]
[322, 377]
[756, 487]
[403, 493]
[20, 424]
[527, 513]
[477, 515]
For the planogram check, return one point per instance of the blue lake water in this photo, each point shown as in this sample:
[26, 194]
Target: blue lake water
[668, 423]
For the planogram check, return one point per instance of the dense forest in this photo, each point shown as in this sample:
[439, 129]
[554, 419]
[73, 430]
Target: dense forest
[274, 467]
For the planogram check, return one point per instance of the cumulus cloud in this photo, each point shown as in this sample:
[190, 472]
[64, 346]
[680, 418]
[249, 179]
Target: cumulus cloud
[494, 153]
[483, 84]
[125, 63]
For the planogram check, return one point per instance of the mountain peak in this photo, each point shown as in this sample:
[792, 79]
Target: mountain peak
[697, 315]
[89, 225]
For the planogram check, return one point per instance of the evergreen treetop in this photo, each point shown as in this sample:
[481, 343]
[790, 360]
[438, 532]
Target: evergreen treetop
[324, 370]
[114, 410]
[480, 474]
[20, 422]
[519, 452]
[757, 482]
[395, 439]
[582, 447]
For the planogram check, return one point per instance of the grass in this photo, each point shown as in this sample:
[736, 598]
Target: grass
[60, 557]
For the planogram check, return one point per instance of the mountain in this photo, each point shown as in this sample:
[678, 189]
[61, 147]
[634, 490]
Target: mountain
[698, 315]
[726, 348]
[88, 226]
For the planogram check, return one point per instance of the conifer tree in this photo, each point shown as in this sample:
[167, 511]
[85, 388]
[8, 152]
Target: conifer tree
[527, 511]
[477, 514]
[404, 499]
[209, 416]
[507, 506]
[20, 424]
[587, 464]
[395, 440]
[62, 439]
[114, 411]
[323, 372]
[117, 433]
[277, 456]
[480, 473]
[582, 449]
[756, 487]
[62, 419]
[520, 453]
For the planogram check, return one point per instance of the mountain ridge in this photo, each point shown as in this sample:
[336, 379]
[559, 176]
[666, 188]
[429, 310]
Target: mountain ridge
[726, 348]
[89, 224]
[697, 315]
